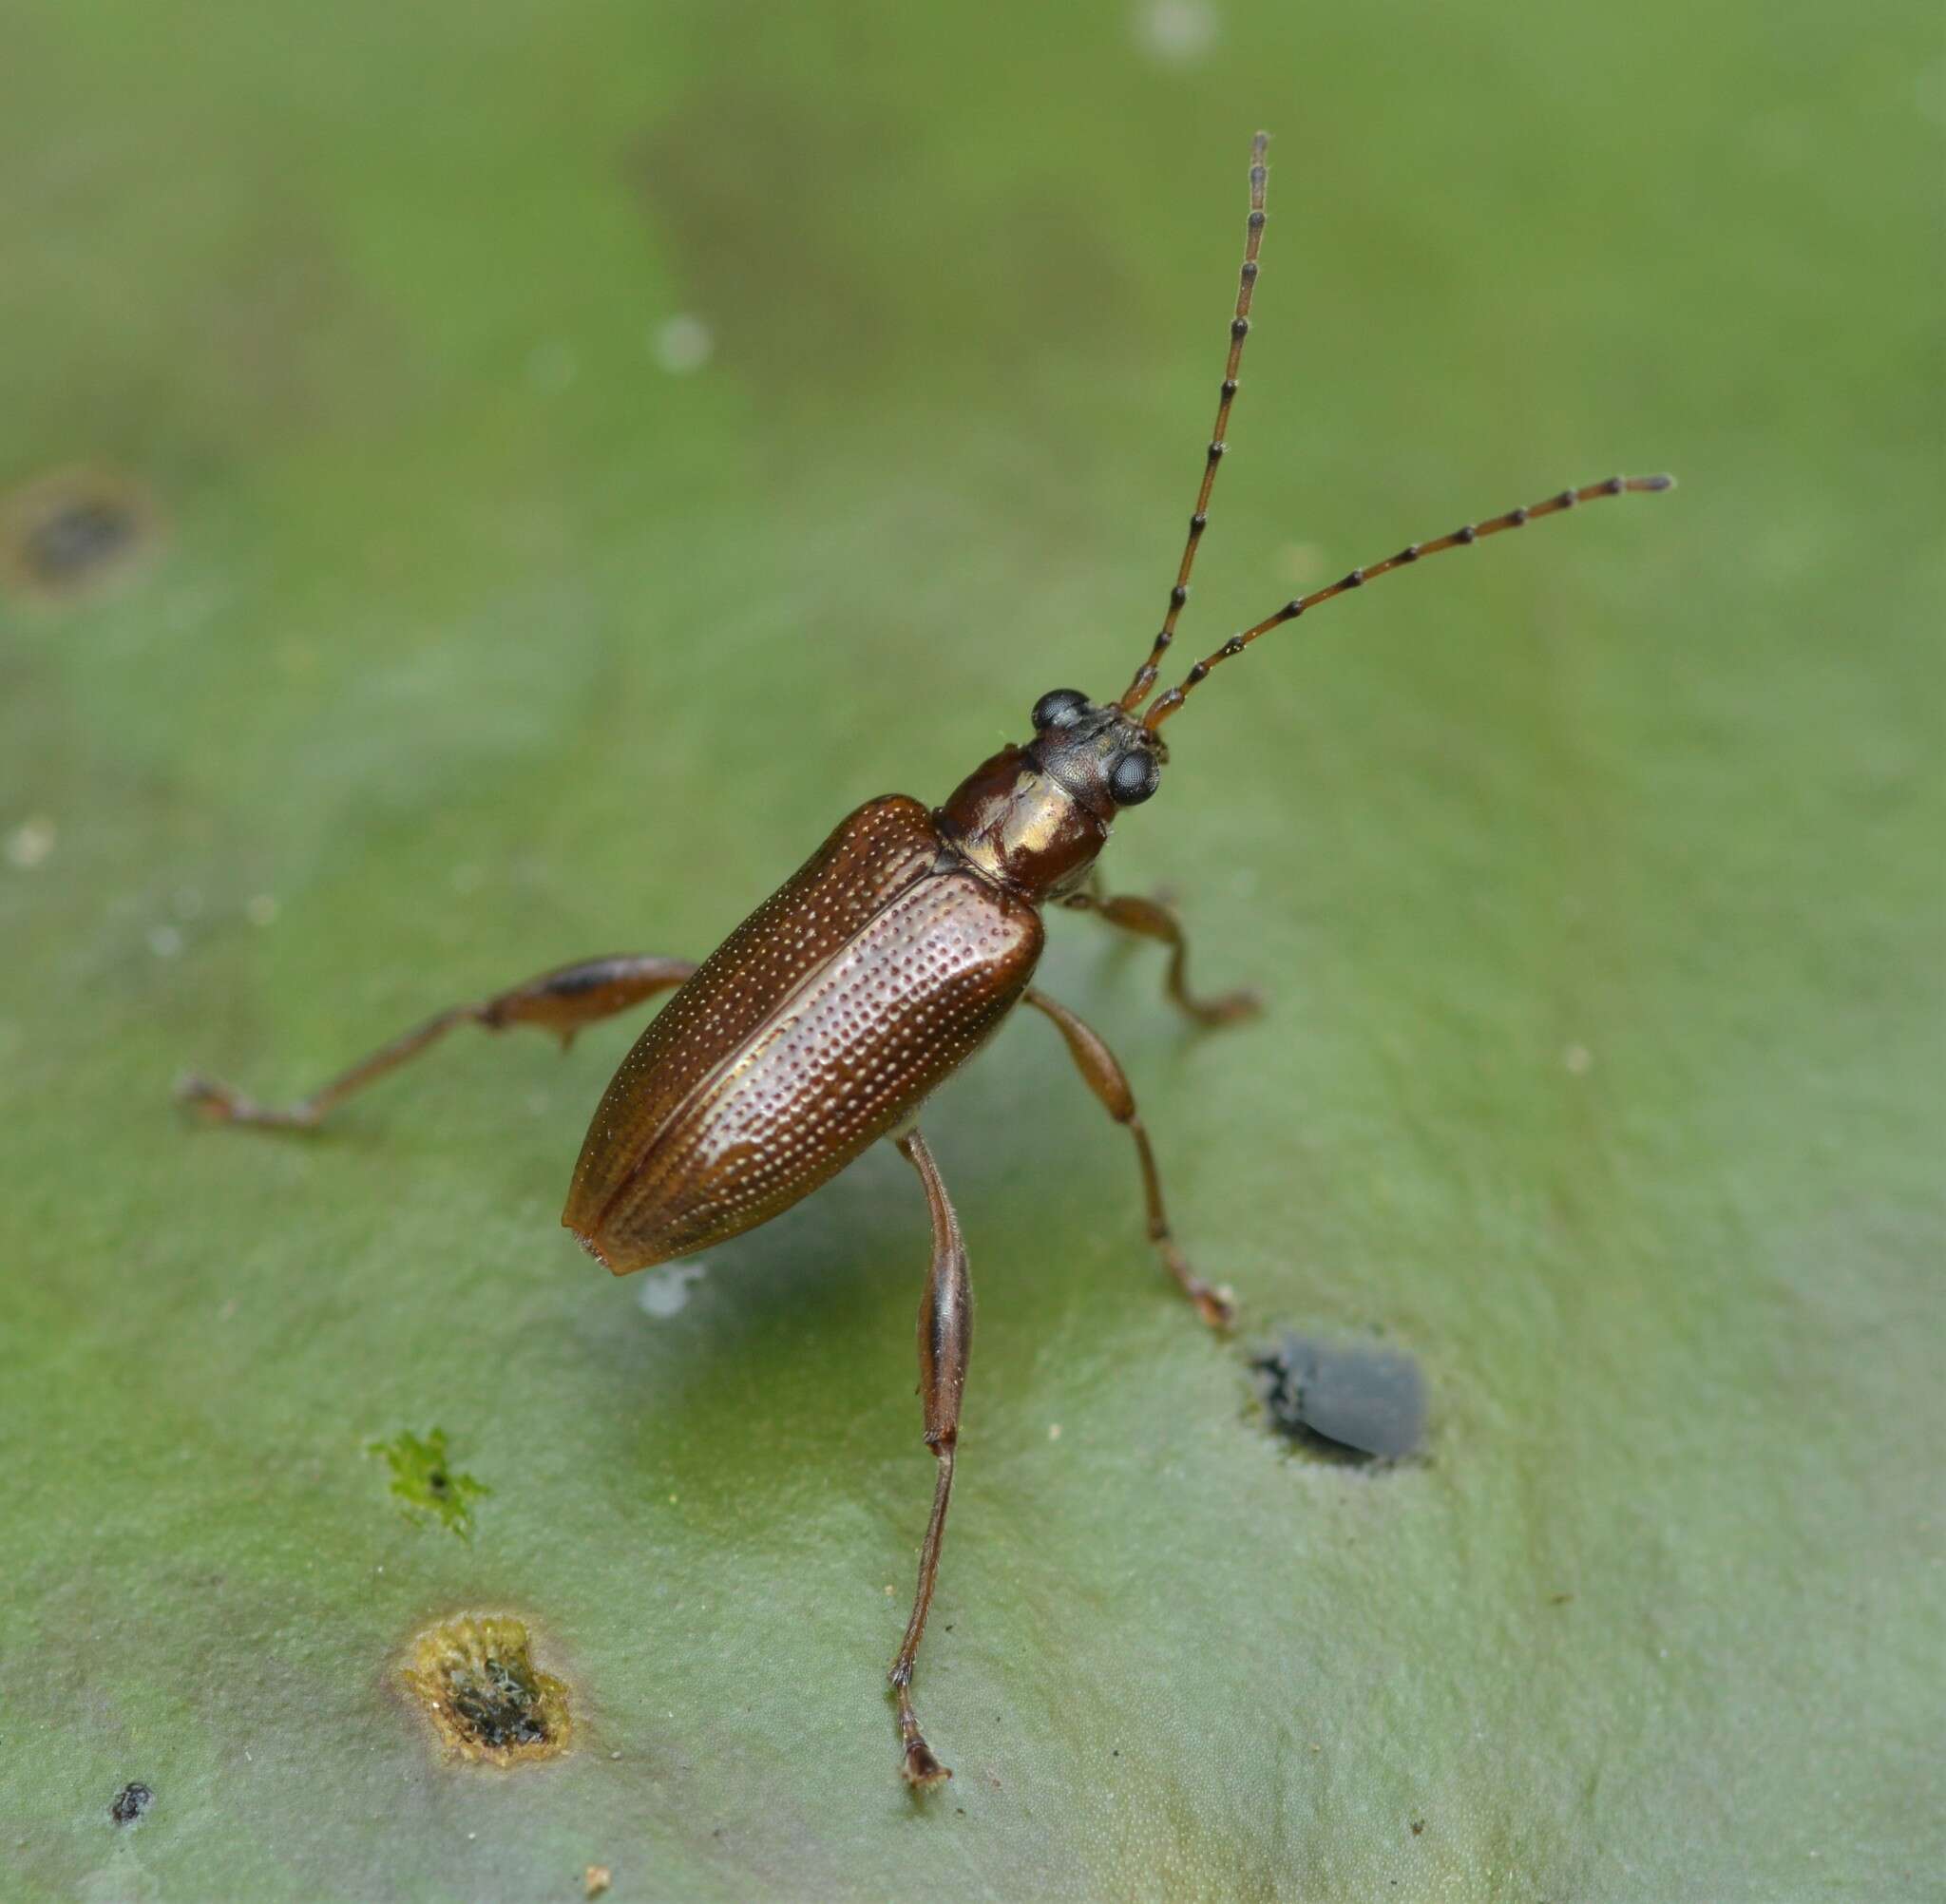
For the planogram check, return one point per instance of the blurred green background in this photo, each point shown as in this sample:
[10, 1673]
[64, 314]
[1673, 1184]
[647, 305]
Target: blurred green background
[586, 449]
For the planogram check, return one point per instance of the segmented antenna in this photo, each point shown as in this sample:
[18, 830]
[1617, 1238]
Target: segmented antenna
[1461, 538]
[1239, 329]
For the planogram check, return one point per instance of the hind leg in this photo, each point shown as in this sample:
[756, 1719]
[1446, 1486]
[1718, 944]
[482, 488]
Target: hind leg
[945, 1338]
[561, 1001]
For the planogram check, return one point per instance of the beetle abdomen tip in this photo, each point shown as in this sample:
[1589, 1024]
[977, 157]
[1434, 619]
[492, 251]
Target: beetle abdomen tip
[588, 1242]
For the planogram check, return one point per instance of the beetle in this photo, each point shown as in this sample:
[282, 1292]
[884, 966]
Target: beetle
[825, 1020]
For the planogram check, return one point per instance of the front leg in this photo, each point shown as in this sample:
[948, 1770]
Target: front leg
[561, 1001]
[1152, 918]
[946, 1340]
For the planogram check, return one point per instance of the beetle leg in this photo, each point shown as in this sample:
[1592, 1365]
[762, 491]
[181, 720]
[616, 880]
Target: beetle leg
[561, 1001]
[1154, 919]
[1102, 1073]
[946, 1338]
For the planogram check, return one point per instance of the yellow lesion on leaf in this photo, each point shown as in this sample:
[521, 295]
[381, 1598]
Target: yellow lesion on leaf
[475, 1678]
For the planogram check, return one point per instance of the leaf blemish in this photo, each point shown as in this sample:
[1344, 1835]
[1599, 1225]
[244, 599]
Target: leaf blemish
[130, 1802]
[425, 1479]
[1346, 1399]
[70, 532]
[475, 1678]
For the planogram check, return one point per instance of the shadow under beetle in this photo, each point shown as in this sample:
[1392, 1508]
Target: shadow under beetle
[827, 1018]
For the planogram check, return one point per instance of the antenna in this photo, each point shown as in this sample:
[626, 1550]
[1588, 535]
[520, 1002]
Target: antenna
[1239, 329]
[1461, 538]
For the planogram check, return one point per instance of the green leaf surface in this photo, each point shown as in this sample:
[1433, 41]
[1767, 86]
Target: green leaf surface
[538, 467]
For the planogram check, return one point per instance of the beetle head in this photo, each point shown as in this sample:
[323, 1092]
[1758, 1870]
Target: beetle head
[1034, 817]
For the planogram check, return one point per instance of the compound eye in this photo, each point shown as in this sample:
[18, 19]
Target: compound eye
[1133, 778]
[1063, 708]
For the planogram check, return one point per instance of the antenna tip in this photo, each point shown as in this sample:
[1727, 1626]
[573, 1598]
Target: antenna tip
[1665, 481]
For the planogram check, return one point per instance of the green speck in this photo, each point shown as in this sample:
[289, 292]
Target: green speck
[423, 1478]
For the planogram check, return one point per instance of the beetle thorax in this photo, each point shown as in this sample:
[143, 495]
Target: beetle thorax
[1035, 818]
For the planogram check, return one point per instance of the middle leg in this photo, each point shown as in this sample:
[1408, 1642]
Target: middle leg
[1105, 1076]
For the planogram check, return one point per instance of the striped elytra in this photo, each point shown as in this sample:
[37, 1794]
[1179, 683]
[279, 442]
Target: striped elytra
[822, 1022]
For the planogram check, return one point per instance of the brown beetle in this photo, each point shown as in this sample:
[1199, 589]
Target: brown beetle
[827, 1018]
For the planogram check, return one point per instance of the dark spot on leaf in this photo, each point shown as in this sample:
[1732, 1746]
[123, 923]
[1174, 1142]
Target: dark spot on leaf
[88, 532]
[1417, 1826]
[1347, 1399]
[74, 531]
[130, 1802]
[475, 1678]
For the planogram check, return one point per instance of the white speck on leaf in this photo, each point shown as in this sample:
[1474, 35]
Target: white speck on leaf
[1176, 32]
[29, 843]
[665, 1292]
[682, 344]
